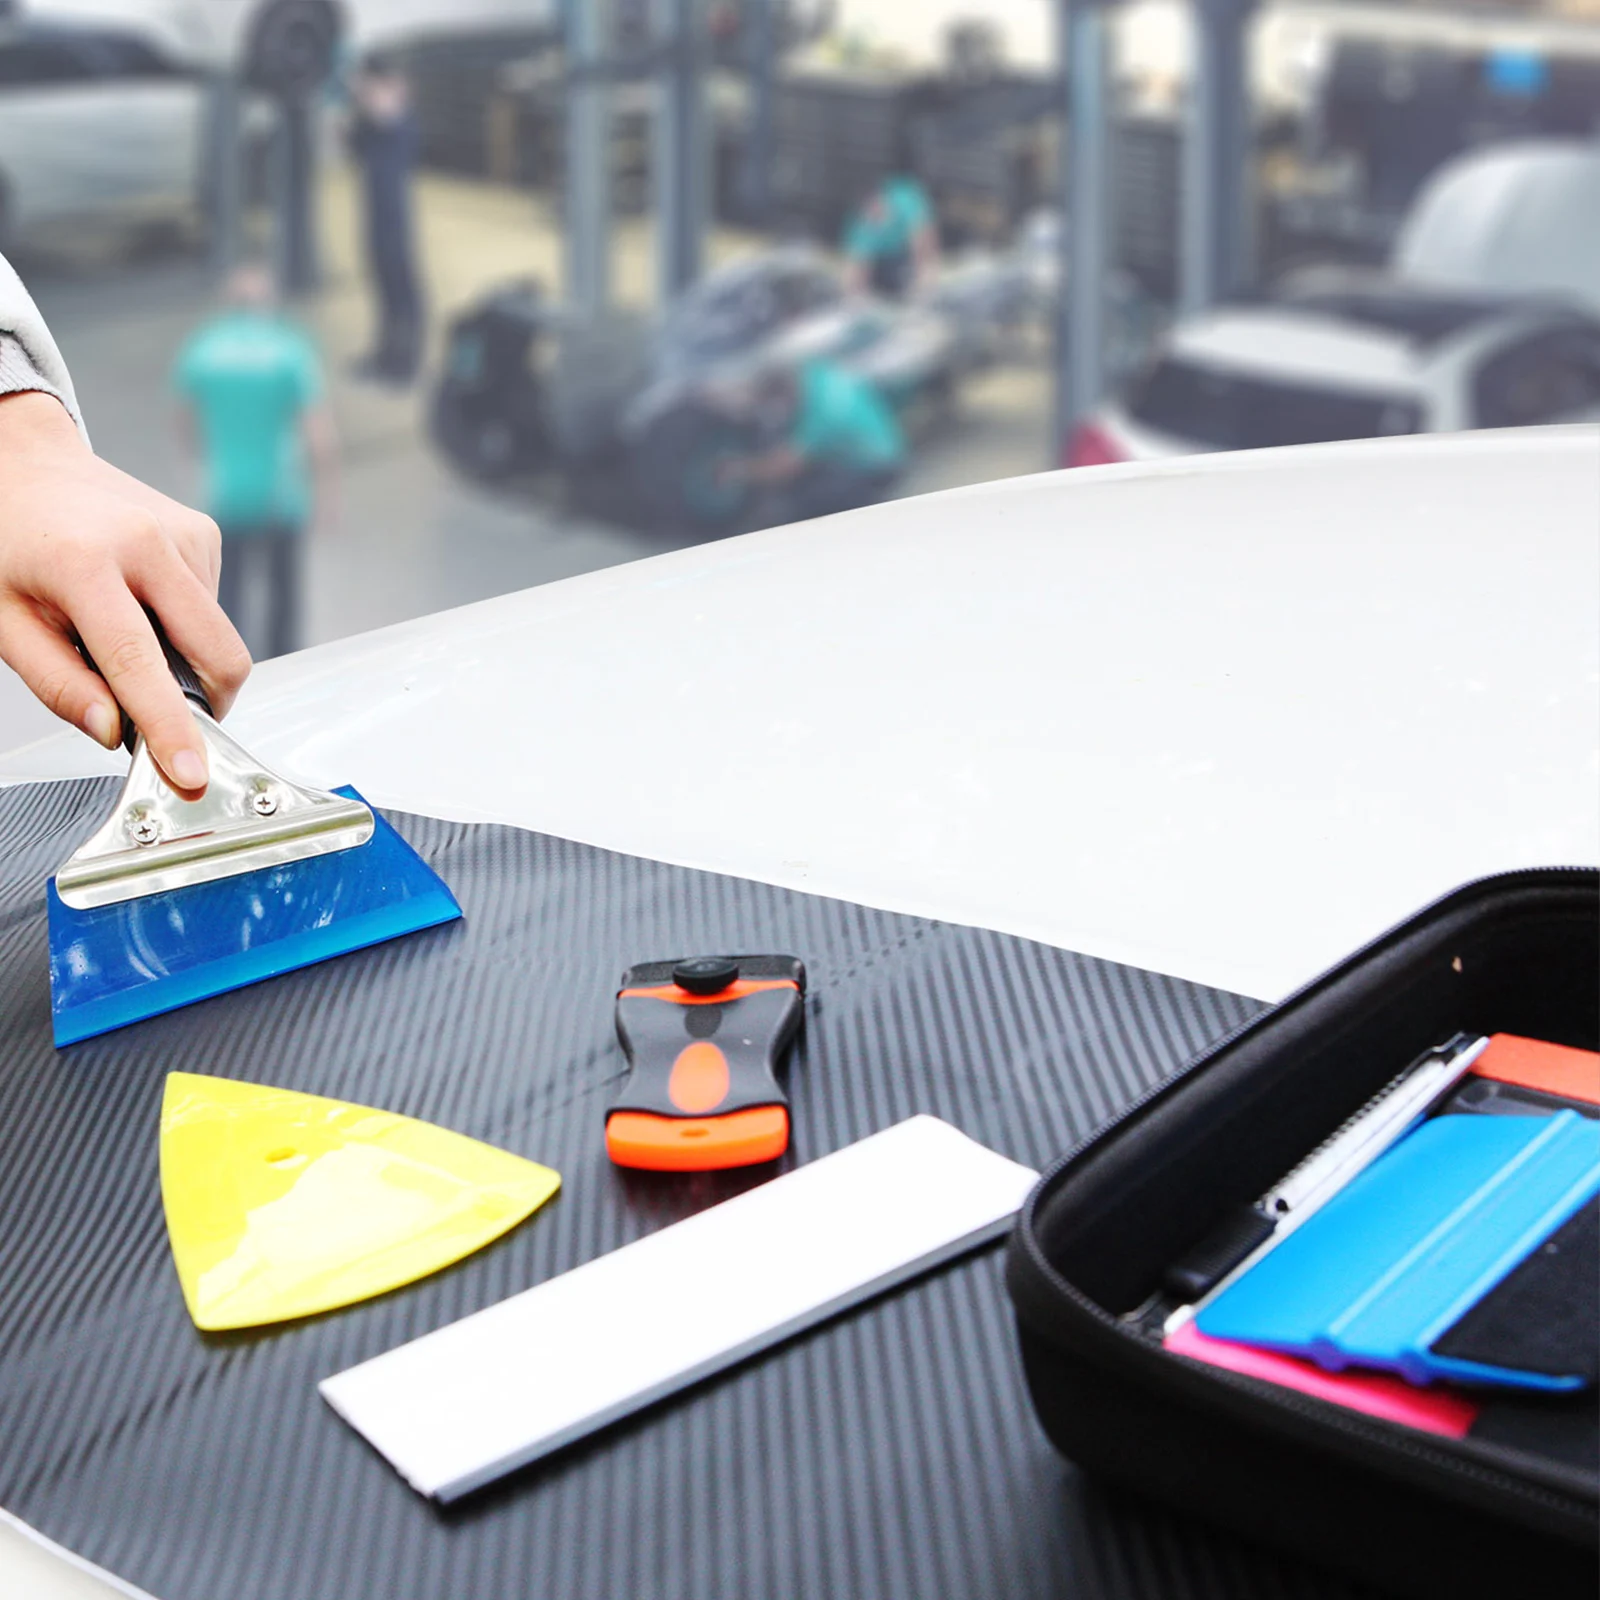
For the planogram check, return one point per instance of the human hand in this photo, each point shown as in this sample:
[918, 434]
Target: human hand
[84, 548]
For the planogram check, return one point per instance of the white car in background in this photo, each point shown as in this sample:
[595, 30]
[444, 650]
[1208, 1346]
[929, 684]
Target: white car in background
[1519, 218]
[97, 123]
[1342, 356]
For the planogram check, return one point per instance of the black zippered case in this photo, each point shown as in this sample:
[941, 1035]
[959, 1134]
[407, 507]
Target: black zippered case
[1511, 1509]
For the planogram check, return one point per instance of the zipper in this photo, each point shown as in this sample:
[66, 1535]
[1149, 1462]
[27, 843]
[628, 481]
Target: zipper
[1265, 1398]
[1211, 1051]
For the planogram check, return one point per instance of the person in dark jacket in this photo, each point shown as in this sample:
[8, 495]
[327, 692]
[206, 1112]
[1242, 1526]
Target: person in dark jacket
[383, 139]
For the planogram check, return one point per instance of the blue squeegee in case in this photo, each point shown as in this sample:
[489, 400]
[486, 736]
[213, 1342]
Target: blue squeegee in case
[1390, 1265]
[173, 900]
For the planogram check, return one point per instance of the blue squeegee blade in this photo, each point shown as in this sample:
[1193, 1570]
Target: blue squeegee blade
[122, 963]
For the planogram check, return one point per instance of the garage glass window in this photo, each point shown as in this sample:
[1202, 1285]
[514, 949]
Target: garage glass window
[1545, 379]
[1230, 411]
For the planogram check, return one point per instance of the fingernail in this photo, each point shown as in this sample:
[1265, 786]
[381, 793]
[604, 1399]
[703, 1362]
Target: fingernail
[189, 770]
[101, 723]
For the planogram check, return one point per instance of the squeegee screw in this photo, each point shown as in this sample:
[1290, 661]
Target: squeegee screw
[142, 827]
[263, 802]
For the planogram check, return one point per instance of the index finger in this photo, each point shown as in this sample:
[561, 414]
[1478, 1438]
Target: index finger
[118, 634]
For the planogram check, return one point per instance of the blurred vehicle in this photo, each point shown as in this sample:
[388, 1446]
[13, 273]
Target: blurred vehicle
[102, 123]
[1346, 356]
[512, 370]
[687, 422]
[488, 412]
[1519, 218]
[790, 302]
[910, 353]
[492, 413]
[733, 309]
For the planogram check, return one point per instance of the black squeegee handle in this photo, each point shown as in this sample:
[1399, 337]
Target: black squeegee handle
[188, 679]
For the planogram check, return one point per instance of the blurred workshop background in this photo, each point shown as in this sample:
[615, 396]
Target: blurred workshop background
[428, 300]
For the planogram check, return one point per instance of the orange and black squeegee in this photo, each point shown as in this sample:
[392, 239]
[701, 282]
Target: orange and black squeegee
[703, 1035]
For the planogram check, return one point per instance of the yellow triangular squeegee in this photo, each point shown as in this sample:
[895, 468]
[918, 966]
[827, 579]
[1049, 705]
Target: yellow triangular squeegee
[281, 1204]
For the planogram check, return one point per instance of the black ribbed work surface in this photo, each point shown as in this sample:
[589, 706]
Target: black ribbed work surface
[892, 1453]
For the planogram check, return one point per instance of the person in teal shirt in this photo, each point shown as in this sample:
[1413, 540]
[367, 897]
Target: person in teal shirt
[842, 446]
[891, 244]
[251, 385]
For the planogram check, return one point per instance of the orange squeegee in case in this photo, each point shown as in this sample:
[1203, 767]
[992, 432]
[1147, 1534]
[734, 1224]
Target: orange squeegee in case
[704, 1035]
[1554, 1069]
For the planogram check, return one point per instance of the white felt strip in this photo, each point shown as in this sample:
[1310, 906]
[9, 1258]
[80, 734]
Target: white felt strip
[457, 1408]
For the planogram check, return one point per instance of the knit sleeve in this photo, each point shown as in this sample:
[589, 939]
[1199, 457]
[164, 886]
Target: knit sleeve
[17, 371]
[41, 366]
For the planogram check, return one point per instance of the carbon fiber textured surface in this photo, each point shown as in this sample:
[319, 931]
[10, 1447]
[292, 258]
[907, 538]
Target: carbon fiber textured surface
[892, 1453]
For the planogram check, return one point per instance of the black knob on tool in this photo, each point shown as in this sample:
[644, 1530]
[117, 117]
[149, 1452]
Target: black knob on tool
[705, 974]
